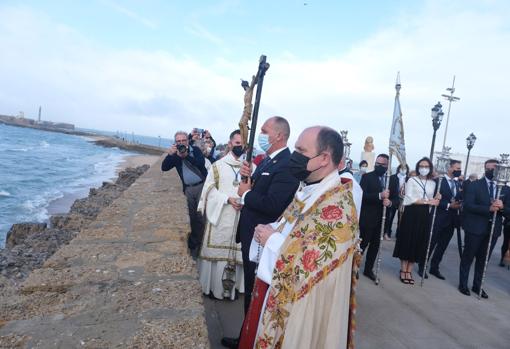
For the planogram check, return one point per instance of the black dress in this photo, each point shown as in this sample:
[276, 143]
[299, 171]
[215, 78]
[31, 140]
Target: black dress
[413, 234]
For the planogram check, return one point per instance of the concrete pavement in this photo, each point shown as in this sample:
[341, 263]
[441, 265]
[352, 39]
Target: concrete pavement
[394, 315]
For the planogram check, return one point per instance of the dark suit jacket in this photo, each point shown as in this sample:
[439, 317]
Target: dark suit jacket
[476, 215]
[446, 216]
[196, 159]
[371, 206]
[273, 190]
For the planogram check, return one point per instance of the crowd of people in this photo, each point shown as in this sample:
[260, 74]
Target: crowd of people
[284, 228]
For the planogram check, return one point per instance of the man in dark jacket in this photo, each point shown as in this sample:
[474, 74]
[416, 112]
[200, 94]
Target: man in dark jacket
[480, 203]
[265, 196]
[375, 197]
[447, 216]
[190, 165]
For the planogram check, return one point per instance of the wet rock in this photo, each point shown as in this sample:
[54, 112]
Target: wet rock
[19, 232]
[29, 245]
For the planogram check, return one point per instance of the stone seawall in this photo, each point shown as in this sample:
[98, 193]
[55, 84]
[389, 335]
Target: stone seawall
[126, 281]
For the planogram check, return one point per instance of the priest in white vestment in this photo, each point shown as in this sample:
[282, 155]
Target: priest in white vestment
[221, 206]
[307, 256]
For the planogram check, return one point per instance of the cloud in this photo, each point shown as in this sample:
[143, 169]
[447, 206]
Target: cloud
[202, 33]
[131, 14]
[157, 92]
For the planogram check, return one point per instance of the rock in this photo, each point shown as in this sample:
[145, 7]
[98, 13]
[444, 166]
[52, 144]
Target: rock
[19, 232]
[29, 245]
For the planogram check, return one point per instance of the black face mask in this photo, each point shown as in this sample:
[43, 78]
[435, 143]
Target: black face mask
[489, 174]
[456, 174]
[297, 165]
[380, 170]
[238, 150]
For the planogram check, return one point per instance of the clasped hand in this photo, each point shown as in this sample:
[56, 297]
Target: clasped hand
[496, 206]
[235, 202]
[262, 233]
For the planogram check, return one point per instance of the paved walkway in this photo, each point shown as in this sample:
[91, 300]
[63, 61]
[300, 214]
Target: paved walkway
[125, 282]
[393, 315]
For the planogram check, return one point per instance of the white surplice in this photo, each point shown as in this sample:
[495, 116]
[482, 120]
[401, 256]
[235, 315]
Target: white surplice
[299, 335]
[220, 227]
[266, 256]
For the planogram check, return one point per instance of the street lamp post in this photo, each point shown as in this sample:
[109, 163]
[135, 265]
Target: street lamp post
[437, 117]
[470, 142]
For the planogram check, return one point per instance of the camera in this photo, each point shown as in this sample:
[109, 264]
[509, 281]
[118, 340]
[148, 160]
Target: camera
[181, 148]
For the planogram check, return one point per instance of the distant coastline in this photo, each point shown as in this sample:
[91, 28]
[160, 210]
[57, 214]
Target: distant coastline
[101, 140]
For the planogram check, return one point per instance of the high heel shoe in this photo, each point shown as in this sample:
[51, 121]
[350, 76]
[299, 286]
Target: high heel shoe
[410, 279]
[403, 279]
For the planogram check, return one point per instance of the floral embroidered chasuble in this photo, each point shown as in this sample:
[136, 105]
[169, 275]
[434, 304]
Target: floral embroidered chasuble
[308, 301]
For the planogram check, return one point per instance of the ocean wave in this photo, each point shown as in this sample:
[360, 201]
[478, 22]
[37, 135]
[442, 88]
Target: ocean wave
[44, 144]
[36, 209]
[4, 193]
[19, 149]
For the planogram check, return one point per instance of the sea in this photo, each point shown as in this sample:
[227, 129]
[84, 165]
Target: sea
[42, 173]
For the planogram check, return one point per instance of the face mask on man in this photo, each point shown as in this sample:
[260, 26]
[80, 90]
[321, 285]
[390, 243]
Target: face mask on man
[264, 142]
[238, 150]
[424, 171]
[380, 170]
[456, 174]
[298, 164]
[489, 174]
[363, 169]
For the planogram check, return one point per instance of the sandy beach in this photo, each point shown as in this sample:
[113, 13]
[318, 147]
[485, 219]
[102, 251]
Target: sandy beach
[136, 160]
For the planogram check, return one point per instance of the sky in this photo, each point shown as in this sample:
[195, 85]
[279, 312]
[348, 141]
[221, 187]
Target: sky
[155, 67]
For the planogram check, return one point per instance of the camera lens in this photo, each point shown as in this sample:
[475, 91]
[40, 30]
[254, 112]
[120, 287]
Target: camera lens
[181, 148]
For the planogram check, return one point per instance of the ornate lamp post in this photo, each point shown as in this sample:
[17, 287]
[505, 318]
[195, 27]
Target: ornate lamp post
[470, 142]
[442, 165]
[437, 117]
[501, 177]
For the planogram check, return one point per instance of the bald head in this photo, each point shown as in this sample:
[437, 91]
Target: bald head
[324, 148]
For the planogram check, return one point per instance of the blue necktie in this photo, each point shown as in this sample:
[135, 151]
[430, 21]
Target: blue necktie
[491, 190]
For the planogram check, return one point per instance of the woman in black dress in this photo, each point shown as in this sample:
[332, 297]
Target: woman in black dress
[412, 238]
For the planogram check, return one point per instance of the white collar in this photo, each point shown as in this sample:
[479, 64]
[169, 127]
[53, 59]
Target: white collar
[276, 152]
[231, 160]
[314, 191]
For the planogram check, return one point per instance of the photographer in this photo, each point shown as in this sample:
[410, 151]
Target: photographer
[200, 135]
[190, 165]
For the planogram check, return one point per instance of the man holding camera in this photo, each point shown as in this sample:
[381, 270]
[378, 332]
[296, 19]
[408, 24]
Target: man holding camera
[190, 165]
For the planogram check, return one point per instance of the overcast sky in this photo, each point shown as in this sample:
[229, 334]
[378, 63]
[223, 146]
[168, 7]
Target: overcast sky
[153, 67]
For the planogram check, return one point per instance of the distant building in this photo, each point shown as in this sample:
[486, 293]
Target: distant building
[476, 163]
[20, 120]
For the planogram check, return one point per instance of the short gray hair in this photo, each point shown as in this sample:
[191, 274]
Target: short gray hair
[282, 125]
[180, 133]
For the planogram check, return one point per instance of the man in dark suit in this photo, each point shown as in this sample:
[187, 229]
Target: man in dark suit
[480, 203]
[375, 197]
[447, 216]
[397, 182]
[190, 165]
[265, 196]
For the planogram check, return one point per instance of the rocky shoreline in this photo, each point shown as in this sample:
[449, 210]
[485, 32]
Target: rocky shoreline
[29, 245]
